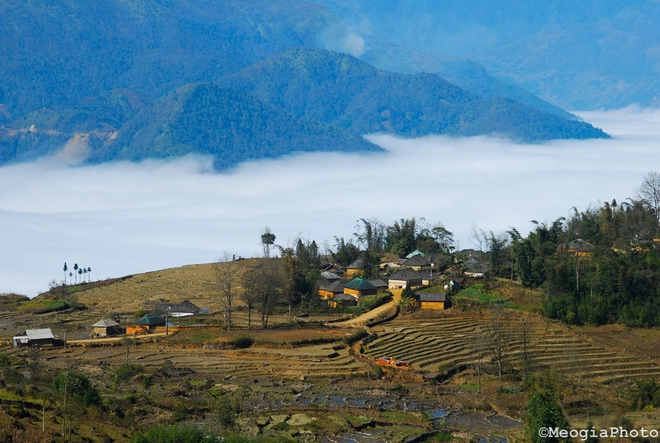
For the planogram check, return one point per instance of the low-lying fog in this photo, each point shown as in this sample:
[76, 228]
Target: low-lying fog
[125, 218]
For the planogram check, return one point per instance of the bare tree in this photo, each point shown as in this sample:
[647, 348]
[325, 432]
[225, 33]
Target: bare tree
[525, 336]
[128, 341]
[498, 344]
[228, 280]
[249, 296]
[269, 278]
[290, 267]
[479, 237]
[478, 349]
[649, 192]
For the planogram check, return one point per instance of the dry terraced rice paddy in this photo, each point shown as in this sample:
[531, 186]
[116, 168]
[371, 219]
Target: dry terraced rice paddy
[433, 345]
[309, 361]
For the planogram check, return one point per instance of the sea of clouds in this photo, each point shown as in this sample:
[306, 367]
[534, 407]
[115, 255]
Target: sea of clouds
[126, 218]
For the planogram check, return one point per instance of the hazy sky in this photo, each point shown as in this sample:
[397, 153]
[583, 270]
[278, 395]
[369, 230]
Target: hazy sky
[125, 218]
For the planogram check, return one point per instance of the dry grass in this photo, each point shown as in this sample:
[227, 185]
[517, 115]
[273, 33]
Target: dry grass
[435, 343]
[643, 342]
[197, 283]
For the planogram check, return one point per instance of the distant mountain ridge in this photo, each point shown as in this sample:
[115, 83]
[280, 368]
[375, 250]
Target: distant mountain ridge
[237, 80]
[341, 90]
[578, 55]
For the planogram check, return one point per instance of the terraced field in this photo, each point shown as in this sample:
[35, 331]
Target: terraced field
[309, 361]
[432, 345]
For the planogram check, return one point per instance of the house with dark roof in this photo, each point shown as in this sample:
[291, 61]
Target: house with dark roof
[404, 279]
[432, 300]
[417, 262]
[475, 270]
[380, 284]
[330, 275]
[355, 269]
[579, 247]
[183, 309]
[105, 327]
[359, 287]
[429, 277]
[326, 266]
[343, 300]
[328, 289]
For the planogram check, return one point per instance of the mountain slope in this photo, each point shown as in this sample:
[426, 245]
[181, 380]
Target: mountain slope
[96, 80]
[63, 52]
[341, 90]
[578, 55]
[230, 125]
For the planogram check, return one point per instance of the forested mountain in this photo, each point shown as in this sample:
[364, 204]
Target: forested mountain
[64, 52]
[225, 123]
[341, 90]
[578, 55]
[108, 80]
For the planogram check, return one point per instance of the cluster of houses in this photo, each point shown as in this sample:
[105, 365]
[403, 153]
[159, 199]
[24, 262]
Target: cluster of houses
[344, 287]
[339, 287]
[108, 327]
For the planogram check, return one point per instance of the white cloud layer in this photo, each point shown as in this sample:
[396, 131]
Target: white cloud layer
[126, 218]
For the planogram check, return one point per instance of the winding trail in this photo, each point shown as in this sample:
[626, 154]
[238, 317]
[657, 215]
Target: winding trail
[361, 320]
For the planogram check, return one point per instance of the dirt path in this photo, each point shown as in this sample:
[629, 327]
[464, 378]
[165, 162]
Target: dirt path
[359, 321]
[115, 339]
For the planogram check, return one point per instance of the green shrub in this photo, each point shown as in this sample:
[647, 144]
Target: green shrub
[78, 386]
[241, 342]
[350, 339]
[5, 362]
[124, 372]
[174, 435]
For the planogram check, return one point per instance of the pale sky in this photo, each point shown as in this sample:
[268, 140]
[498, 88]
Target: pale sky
[126, 218]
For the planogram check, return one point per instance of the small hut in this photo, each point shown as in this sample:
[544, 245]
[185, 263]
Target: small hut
[35, 337]
[432, 300]
[342, 300]
[151, 321]
[105, 327]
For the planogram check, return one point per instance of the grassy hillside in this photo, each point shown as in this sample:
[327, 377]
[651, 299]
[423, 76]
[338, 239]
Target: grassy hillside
[196, 283]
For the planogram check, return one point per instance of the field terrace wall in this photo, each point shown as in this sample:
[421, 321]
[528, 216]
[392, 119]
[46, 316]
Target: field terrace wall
[432, 344]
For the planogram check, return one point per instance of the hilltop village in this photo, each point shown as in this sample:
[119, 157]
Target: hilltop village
[361, 344]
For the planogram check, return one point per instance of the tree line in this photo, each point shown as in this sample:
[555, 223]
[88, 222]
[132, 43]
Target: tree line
[291, 279]
[84, 273]
[600, 265]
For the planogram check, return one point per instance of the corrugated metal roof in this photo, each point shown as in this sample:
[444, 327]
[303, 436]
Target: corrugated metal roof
[39, 334]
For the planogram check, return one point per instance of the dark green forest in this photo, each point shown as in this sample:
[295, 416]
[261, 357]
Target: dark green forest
[600, 265]
[128, 76]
